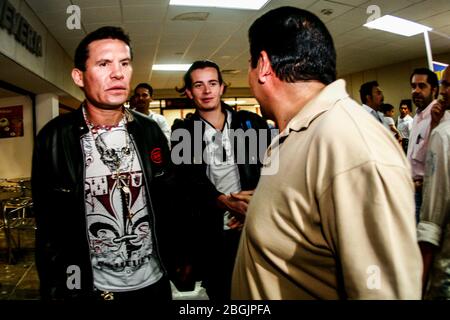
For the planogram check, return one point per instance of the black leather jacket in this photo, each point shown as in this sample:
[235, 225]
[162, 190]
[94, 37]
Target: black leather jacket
[249, 171]
[58, 177]
[207, 219]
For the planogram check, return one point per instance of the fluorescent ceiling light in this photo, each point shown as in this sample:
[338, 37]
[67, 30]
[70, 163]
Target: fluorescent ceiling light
[233, 4]
[171, 67]
[397, 25]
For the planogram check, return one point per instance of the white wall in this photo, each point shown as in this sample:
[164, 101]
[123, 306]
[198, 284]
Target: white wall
[16, 153]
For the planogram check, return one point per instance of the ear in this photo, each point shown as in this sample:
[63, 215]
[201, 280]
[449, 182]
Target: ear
[435, 92]
[264, 67]
[77, 77]
[189, 94]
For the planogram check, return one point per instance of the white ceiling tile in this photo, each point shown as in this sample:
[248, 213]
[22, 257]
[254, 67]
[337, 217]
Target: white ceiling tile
[293, 3]
[437, 21]
[223, 36]
[108, 14]
[145, 2]
[340, 26]
[388, 6]
[43, 6]
[90, 27]
[183, 27]
[175, 40]
[144, 13]
[355, 16]
[337, 8]
[424, 9]
[96, 3]
[150, 29]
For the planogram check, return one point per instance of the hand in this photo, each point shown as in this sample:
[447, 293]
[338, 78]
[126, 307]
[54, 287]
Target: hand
[236, 223]
[437, 112]
[232, 204]
[245, 196]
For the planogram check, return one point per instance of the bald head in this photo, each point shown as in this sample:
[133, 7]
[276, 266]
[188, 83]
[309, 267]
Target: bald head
[445, 88]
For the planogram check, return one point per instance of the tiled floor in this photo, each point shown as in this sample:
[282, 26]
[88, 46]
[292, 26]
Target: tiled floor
[19, 281]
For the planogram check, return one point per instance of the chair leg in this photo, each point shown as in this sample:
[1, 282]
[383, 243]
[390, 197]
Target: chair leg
[9, 244]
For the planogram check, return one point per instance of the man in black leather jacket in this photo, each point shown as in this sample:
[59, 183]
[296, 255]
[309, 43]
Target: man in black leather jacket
[220, 177]
[101, 178]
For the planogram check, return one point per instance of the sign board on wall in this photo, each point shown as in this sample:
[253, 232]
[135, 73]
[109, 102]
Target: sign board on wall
[11, 122]
[12, 21]
[438, 68]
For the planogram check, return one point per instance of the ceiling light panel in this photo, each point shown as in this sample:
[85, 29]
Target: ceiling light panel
[171, 67]
[397, 25]
[230, 4]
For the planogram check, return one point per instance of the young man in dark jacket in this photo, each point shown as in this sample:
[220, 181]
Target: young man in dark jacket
[101, 177]
[218, 152]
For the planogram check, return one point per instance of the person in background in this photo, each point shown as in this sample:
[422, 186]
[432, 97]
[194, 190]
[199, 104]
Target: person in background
[372, 98]
[433, 231]
[424, 90]
[388, 117]
[140, 101]
[404, 122]
[102, 181]
[220, 176]
[336, 220]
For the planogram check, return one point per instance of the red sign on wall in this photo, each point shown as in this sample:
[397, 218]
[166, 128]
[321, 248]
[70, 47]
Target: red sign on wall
[11, 122]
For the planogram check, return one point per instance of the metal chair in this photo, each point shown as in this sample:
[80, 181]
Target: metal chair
[17, 217]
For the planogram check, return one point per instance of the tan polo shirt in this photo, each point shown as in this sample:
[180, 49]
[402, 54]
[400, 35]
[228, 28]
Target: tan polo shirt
[336, 220]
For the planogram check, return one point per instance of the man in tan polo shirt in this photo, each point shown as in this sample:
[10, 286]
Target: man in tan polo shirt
[336, 220]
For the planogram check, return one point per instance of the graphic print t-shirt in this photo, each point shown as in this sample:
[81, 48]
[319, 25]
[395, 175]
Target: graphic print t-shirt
[118, 222]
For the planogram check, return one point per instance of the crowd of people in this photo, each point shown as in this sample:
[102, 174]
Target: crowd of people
[340, 204]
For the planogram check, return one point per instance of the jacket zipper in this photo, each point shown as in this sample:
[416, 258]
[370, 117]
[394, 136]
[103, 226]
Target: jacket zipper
[85, 217]
[147, 190]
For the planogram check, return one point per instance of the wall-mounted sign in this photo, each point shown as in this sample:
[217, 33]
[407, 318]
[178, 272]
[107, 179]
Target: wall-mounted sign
[11, 122]
[13, 22]
[438, 68]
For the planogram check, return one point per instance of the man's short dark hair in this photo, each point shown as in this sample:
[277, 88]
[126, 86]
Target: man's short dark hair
[82, 51]
[385, 107]
[299, 45]
[200, 64]
[432, 78]
[366, 90]
[145, 86]
[406, 102]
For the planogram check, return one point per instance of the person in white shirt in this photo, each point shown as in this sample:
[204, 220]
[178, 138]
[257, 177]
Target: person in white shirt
[388, 119]
[424, 89]
[143, 95]
[404, 122]
[433, 230]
